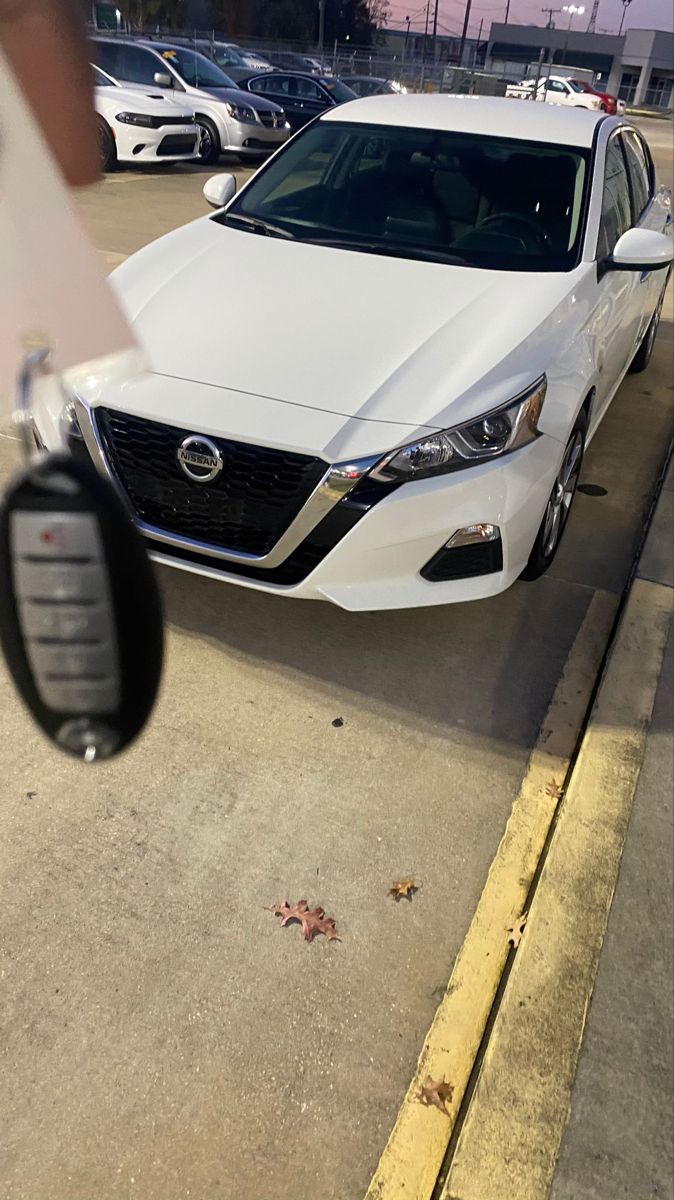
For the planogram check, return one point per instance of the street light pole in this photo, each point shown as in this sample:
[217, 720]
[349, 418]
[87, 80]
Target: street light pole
[507, 12]
[626, 4]
[435, 27]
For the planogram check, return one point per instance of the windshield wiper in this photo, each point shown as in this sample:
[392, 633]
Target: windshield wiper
[424, 253]
[257, 225]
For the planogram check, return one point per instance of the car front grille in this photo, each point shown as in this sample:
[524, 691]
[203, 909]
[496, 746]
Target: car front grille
[272, 120]
[246, 508]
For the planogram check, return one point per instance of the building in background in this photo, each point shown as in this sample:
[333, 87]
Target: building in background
[638, 67]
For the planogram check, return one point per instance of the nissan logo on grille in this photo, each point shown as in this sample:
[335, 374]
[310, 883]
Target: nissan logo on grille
[199, 458]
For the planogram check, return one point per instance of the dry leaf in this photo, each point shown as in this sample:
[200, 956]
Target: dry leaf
[403, 888]
[516, 930]
[554, 790]
[436, 1092]
[312, 920]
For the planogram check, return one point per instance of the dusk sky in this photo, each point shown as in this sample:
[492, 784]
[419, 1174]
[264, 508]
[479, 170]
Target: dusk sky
[642, 14]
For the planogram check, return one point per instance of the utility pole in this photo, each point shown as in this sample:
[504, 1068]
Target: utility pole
[435, 28]
[321, 28]
[428, 10]
[551, 12]
[464, 32]
[407, 34]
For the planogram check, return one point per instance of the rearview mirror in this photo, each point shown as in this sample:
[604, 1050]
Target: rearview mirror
[219, 189]
[163, 79]
[641, 250]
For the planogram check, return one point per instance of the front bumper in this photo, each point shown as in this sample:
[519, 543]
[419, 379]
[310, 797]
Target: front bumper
[169, 143]
[368, 549]
[378, 564]
[253, 139]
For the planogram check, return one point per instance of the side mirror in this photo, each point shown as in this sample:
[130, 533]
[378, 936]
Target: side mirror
[641, 250]
[163, 79]
[219, 189]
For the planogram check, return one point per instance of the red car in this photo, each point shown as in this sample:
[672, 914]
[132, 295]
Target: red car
[610, 102]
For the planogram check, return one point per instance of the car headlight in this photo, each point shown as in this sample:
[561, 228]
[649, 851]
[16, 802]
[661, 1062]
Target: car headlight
[499, 432]
[241, 112]
[132, 118]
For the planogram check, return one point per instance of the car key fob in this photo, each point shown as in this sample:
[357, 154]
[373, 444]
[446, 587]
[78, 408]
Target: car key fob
[80, 615]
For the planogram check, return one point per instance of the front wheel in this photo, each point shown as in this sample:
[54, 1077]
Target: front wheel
[558, 507]
[107, 152]
[644, 353]
[208, 150]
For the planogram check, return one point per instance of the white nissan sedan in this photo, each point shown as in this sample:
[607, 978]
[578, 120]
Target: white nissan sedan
[374, 372]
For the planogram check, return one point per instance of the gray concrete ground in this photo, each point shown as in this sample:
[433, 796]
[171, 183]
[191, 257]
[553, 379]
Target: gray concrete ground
[619, 1142]
[163, 1038]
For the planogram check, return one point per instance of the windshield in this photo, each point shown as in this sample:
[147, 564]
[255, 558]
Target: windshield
[196, 69]
[490, 202]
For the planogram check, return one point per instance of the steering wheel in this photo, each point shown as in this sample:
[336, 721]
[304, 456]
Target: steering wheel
[531, 224]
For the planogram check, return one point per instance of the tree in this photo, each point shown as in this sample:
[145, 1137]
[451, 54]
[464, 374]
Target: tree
[172, 13]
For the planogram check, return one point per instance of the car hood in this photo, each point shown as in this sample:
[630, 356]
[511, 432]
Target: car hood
[238, 96]
[379, 338]
[148, 101]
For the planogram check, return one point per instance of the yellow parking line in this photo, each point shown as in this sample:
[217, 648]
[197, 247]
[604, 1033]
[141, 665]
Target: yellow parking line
[409, 1166]
[509, 1143]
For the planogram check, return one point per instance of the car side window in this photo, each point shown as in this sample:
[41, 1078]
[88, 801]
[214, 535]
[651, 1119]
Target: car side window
[555, 85]
[276, 85]
[107, 55]
[640, 172]
[138, 65]
[306, 89]
[616, 210]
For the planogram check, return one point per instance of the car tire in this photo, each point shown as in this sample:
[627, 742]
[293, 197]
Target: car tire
[559, 504]
[209, 142]
[644, 353]
[106, 146]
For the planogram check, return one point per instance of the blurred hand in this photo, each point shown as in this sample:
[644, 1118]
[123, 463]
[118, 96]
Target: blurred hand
[46, 45]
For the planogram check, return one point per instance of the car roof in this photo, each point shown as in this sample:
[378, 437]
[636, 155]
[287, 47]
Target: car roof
[492, 116]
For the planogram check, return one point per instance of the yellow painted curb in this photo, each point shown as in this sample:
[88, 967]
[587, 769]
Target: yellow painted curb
[509, 1142]
[409, 1166]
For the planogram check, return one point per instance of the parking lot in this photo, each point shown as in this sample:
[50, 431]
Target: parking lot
[164, 1037]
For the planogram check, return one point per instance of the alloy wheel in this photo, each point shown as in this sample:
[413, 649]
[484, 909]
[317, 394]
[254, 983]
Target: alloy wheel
[205, 142]
[563, 492]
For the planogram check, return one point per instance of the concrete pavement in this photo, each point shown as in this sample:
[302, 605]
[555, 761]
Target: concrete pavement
[619, 1143]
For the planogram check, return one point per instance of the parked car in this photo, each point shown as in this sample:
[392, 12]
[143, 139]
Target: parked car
[480, 277]
[227, 119]
[223, 54]
[370, 85]
[555, 89]
[137, 128]
[252, 59]
[612, 104]
[302, 97]
[287, 60]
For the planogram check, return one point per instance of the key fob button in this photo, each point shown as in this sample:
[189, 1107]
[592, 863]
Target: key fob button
[86, 662]
[55, 581]
[76, 696]
[66, 622]
[47, 535]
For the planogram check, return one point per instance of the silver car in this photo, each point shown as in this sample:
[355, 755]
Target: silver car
[229, 120]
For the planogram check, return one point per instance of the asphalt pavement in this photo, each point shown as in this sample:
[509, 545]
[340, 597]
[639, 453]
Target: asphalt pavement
[163, 1036]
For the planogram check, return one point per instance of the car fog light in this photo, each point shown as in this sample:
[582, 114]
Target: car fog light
[472, 535]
